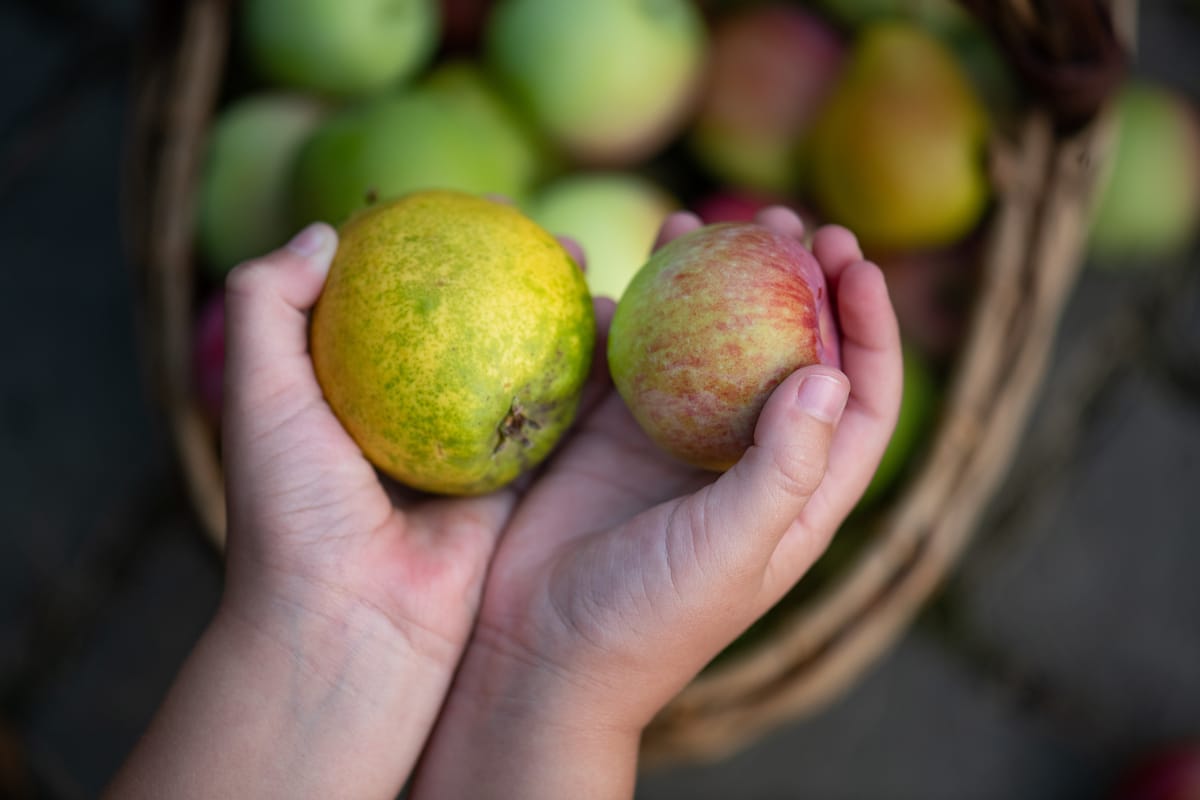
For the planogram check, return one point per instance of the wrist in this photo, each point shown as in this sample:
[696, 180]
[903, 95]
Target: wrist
[279, 701]
[514, 728]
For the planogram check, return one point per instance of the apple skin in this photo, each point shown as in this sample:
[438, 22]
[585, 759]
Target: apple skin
[340, 47]
[403, 142]
[611, 81]
[1148, 208]
[713, 322]
[614, 216]
[771, 69]
[243, 203]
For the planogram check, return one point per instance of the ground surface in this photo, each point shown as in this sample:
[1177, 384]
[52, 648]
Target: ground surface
[1067, 642]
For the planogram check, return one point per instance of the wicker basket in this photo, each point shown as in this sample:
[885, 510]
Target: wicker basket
[1043, 171]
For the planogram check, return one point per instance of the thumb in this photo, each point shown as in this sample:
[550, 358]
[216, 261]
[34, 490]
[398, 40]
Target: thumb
[266, 324]
[749, 508]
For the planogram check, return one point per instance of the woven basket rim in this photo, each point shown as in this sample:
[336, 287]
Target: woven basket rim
[1044, 183]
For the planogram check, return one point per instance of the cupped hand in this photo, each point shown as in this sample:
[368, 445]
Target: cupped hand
[315, 533]
[623, 571]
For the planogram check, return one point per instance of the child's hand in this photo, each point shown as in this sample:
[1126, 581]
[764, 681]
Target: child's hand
[347, 603]
[623, 571]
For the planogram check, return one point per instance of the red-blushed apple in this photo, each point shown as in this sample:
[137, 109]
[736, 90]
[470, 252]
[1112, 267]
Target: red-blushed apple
[771, 68]
[208, 356]
[707, 329]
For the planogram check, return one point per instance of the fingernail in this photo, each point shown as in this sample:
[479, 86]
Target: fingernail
[822, 396]
[309, 241]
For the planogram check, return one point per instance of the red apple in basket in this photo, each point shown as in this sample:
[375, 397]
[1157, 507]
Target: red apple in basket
[771, 69]
[707, 329]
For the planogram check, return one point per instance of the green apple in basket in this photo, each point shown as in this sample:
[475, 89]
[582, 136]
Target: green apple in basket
[341, 47]
[610, 80]
[1149, 204]
[448, 133]
[243, 199]
[614, 216]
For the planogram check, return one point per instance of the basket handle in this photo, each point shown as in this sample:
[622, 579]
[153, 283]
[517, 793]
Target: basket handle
[1069, 53]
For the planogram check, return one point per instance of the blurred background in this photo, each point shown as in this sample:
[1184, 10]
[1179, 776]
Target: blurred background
[1061, 655]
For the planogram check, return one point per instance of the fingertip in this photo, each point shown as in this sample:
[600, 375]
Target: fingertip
[575, 249]
[675, 225]
[783, 220]
[835, 248]
[315, 245]
[822, 393]
[604, 308]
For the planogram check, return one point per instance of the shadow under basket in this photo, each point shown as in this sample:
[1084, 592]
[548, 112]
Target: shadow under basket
[1044, 169]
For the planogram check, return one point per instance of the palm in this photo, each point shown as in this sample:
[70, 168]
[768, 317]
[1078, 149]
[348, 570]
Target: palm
[311, 518]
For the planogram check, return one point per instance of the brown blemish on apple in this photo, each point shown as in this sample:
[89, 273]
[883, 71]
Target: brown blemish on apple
[515, 426]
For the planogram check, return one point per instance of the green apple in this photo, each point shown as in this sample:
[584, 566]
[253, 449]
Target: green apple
[497, 124]
[1149, 204]
[610, 80]
[342, 47]
[398, 143]
[614, 216]
[243, 203]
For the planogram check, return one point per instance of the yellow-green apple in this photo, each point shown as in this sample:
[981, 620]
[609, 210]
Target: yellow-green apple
[709, 326]
[420, 138]
[770, 69]
[898, 154]
[612, 81]
[948, 20]
[614, 216]
[341, 47]
[243, 204]
[1149, 205]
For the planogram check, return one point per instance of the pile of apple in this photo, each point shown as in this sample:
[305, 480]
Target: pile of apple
[600, 117]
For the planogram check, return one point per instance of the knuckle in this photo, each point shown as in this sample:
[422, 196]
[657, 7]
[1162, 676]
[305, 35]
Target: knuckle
[800, 469]
[248, 278]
